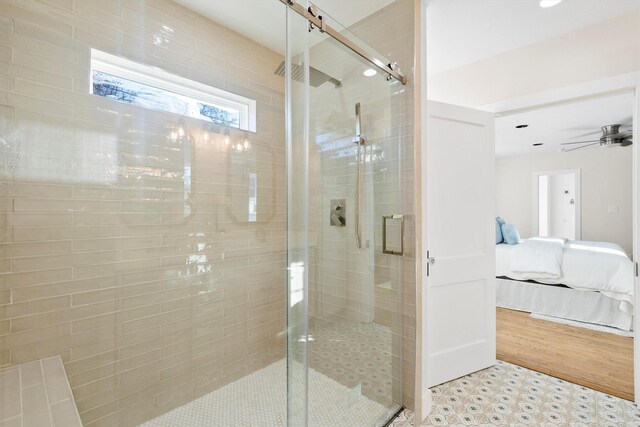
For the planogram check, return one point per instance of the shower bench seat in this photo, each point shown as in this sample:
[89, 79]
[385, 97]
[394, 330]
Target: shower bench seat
[37, 394]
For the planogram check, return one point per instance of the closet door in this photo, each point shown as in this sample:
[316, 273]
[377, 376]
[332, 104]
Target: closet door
[459, 319]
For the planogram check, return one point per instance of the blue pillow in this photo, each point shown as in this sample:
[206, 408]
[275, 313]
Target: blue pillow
[501, 221]
[510, 234]
[499, 238]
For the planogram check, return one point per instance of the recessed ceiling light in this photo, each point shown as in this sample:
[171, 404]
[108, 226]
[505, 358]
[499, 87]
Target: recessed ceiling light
[521, 126]
[549, 3]
[537, 144]
[369, 72]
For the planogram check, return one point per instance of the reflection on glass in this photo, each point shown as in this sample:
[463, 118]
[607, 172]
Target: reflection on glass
[253, 196]
[296, 283]
[183, 141]
[250, 179]
[186, 175]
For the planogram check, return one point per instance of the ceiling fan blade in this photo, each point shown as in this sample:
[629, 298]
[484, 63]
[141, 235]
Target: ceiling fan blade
[580, 142]
[626, 142]
[585, 134]
[577, 148]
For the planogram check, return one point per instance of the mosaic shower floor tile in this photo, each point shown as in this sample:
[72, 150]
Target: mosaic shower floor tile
[259, 399]
[509, 395]
[354, 353]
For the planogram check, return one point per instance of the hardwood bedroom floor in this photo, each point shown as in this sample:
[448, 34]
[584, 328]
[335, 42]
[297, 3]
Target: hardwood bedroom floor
[597, 360]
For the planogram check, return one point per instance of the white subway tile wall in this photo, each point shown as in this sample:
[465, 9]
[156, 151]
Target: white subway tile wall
[125, 241]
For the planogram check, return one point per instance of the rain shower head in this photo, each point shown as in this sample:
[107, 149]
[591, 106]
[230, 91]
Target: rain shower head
[316, 77]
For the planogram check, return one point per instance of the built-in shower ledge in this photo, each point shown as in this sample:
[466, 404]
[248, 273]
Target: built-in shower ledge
[37, 394]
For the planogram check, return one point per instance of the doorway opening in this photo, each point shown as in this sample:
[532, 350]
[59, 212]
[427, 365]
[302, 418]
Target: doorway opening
[556, 203]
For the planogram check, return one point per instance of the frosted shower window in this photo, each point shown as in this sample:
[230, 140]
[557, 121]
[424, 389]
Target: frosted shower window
[126, 81]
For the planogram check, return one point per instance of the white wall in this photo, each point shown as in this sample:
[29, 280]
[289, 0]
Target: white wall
[605, 49]
[606, 175]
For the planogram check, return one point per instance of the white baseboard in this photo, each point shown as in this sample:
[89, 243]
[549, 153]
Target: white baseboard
[427, 403]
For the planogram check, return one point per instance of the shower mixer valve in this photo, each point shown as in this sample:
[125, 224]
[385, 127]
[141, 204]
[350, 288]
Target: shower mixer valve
[337, 215]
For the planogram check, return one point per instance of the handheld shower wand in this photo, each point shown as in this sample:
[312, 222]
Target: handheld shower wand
[360, 141]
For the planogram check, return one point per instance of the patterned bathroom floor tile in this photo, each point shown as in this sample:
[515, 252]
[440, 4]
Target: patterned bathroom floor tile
[509, 395]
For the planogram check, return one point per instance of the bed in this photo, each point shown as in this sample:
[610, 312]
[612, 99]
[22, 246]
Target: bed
[582, 281]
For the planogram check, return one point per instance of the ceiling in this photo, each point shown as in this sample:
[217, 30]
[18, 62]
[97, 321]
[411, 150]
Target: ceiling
[461, 32]
[565, 122]
[453, 29]
[264, 20]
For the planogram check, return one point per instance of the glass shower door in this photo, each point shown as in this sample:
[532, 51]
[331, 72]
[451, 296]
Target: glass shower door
[346, 233]
[297, 218]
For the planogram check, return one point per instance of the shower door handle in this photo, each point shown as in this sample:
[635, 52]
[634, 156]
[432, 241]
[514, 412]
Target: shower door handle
[385, 218]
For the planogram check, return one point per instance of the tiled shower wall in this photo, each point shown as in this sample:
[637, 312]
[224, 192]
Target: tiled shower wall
[125, 241]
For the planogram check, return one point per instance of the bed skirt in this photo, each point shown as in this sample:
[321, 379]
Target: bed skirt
[563, 302]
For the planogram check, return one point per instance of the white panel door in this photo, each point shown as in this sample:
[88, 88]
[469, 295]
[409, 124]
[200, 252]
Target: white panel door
[460, 322]
[636, 242]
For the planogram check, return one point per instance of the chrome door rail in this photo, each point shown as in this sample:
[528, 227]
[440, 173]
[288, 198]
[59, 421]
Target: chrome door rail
[390, 69]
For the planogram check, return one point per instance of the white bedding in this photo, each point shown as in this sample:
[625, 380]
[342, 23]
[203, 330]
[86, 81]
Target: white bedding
[590, 266]
[538, 258]
[564, 303]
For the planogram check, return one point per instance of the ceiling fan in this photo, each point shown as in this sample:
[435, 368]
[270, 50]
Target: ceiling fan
[611, 137]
